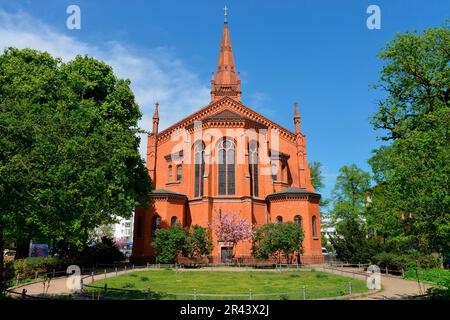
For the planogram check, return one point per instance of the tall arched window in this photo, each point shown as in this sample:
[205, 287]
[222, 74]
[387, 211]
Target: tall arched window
[226, 167]
[156, 222]
[253, 167]
[283, 172]
[179, 172]
[314, 227]
[139, 228]
[170, 173]
[298, 220]
[279, 219]
[199, 161]
[173, 220]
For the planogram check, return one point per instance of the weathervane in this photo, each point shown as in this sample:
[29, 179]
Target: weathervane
[225, 13]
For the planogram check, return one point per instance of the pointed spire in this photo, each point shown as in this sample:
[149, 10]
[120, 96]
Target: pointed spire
[226, 82]
[296, 118]
[156, 113]
[155, 119]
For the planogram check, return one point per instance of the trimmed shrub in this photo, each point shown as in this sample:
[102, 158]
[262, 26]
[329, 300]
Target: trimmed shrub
[398, 262]
[28, 266]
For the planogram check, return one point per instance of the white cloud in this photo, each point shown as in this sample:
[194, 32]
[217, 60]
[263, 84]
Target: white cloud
[155, 74]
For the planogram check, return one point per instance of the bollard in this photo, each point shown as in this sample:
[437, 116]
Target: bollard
[195, 294]
[116, 271]
[92, 276]
[250, 294]
[125, 268]
[350, 287]
[149, 297]
[147, 265]
[304, 292]
[35, 275]
[105, 273]
[387, 270]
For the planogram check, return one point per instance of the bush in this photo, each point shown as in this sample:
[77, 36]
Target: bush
[28, 266]
[105, 252]
[398, 262]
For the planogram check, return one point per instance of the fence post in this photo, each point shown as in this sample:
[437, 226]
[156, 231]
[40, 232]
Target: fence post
[349, 287]
[250, 295]
[304, 292]
[24, 291]
[116, 271]
[125, 268]
[147, 265]
[105, 289]
[195, 294]
[105, 273]
[35, 275]
[387, 269]
[53, 273]
[92, 276]
[148, 294]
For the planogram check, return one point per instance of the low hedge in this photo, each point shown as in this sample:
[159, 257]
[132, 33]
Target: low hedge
[28, 266]
[398, 262]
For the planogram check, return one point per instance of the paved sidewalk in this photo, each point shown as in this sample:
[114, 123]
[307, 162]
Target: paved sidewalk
[393, 287]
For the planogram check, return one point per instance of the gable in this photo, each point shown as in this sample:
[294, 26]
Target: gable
[225, 109]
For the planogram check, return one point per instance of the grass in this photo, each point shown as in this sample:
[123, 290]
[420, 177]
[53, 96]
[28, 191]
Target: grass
[134, 285]
[435, 276]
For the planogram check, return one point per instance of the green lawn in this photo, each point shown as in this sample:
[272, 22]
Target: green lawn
[318, 284]
[435, 276]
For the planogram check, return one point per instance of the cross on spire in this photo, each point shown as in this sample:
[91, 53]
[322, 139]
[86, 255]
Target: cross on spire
[225, 13]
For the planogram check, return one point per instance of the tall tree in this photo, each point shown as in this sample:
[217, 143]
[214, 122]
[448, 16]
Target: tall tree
[348, 213]
[317, 180]
[69, 157]
[412, 172]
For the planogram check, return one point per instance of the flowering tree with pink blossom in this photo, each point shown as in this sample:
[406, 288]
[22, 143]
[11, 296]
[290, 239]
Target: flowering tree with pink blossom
[229, 228]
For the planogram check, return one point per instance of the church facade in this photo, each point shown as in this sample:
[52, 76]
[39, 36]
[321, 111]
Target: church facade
[227, 157]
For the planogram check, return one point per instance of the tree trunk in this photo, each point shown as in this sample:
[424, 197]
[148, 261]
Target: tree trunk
[22, 248]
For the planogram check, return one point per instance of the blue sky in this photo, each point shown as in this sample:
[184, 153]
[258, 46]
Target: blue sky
[319, 53]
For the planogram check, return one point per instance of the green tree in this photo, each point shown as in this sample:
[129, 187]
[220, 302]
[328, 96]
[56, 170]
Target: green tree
[198, 243]
[169, 243]
[69, 159]
[348, 213]
[317, 180]
[177, 241]
[412, 171]
[278, 240]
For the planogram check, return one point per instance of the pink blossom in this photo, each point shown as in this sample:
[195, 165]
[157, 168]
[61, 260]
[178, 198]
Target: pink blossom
[229, 228]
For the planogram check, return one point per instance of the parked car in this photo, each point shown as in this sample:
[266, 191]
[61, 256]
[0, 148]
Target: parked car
[325, 251]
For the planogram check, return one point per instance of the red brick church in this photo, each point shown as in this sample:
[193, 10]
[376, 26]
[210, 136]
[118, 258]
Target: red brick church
[226, 156]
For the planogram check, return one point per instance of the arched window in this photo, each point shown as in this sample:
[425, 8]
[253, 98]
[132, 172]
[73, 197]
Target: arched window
[279, 219]
[156, 222]
[298, 220]
[314, 227]
[274, 171]
[139, 228]
[170, 173]
[199, 161]
[283, 172]
[173, 221]
[253, 167]
[226, 167]
[179, 172]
